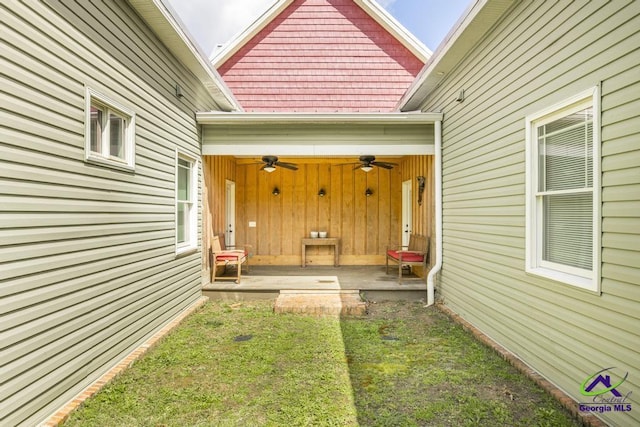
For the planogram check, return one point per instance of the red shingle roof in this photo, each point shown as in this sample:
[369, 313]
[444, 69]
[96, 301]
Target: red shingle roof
[321, 56]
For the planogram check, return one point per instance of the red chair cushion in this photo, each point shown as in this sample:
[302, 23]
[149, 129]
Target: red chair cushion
[406, 256]
[229, 257]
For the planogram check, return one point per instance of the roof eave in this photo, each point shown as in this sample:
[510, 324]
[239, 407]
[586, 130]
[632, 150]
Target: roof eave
[472, 26]
[228, 50]
[247, 119]
[166, 25]
[389, 23]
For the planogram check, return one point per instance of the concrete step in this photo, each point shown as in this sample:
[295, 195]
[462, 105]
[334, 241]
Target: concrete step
[330, 302]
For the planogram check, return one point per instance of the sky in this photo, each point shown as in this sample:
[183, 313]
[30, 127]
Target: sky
[215, 22]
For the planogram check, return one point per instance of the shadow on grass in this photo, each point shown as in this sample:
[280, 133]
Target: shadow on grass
[243, 365]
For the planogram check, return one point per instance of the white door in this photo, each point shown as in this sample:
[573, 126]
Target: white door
[230, 214]
[406, 212]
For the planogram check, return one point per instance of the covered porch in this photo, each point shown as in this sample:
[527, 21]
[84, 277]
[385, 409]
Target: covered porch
[274, 211]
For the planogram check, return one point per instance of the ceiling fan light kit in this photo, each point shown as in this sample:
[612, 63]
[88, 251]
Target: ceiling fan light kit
[368, 162]
[270, 163]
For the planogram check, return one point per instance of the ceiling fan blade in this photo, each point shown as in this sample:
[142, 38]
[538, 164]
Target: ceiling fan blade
[287, 165]
[385, 165]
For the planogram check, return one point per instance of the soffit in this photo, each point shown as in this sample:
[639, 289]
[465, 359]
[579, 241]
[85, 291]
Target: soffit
[474, 24]
[165, 24]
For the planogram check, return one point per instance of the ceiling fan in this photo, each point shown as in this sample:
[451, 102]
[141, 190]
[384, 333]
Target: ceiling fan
[270, 163]
[368, 162]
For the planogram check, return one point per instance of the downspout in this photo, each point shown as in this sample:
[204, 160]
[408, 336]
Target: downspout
[438, 211]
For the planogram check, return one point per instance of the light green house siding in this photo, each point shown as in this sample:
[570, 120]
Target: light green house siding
[537, 55]
[87, 253]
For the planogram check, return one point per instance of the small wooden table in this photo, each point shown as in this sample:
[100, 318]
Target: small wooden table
[327, 241]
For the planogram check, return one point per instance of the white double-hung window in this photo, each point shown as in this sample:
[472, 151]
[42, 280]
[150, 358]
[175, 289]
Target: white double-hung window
[186, 203]
[110, 132]
[563, 213]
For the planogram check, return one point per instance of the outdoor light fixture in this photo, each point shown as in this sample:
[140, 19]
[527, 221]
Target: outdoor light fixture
[269, 169]
[179, 93]
[421, 184]
[366, 168]
[321, 193]
[276, 191]
[369, 191]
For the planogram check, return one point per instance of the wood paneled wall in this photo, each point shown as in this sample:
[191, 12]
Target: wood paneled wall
[216, 170]
[423, 216]
[366, 225]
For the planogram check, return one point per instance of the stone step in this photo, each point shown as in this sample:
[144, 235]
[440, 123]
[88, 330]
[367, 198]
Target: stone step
[330, 302]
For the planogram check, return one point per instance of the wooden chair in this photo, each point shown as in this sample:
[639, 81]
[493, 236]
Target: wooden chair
[416, 253]
[223, 257]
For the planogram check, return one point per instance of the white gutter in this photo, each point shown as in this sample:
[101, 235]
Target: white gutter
[438, 208]
[251, 118]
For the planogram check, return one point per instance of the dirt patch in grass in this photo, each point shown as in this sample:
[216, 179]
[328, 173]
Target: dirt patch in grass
[400, 365]
[411, 365]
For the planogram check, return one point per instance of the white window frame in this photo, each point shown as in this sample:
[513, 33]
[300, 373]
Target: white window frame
[191, 237]
[103, 157]
[580, 278]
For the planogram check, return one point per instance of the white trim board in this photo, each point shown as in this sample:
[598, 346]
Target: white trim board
[317, 150]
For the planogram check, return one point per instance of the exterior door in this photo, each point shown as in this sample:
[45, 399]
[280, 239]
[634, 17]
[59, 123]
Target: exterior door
[230, 214]
[406, 212]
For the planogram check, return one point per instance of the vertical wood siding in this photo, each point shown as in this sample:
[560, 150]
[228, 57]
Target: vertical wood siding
[216, 171]
[422, 215]
[539, 55]
[364, 224]
[87, 254]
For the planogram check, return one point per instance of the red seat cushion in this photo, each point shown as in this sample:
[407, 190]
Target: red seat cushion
[229, 257]
[406, 256]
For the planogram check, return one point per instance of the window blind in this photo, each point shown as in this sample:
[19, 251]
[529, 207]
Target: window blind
[565, 189]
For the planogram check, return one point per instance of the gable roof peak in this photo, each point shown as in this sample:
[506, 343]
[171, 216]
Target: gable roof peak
[373, 9]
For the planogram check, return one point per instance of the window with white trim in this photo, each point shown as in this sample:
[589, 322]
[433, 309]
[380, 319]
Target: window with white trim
[563, 213]
[186, 203]
[110, 132]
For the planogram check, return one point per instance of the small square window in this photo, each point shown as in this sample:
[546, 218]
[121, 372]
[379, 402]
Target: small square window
[110, 134]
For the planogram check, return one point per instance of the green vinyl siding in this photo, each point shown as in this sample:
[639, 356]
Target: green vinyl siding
[536, 56]
[87, 253]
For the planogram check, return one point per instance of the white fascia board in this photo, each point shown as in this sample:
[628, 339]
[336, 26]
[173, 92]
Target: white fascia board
[223, 54]
[472, 26]
[218, 118]
[389, 23]
[165, 23]
[317, 150]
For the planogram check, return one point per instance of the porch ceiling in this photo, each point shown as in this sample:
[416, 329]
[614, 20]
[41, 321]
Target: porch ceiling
[322, 134]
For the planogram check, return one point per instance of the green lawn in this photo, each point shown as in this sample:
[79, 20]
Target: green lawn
[243, 365]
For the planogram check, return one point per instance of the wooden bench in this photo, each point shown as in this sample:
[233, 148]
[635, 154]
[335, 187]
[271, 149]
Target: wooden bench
[416, 253]
[220, 256]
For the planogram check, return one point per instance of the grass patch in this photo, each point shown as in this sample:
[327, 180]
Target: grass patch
[243, 365]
